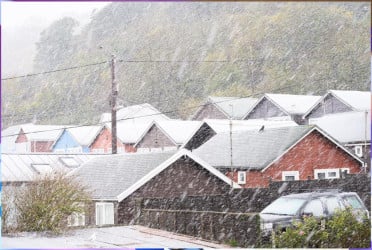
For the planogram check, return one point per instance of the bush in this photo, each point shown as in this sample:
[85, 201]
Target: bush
[46, 203]
[343, 230]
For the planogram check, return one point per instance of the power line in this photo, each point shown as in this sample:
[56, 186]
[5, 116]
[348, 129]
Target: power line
[53, 71]
[160, 113]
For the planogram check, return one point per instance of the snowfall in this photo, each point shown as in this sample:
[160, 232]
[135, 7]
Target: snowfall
[108, 237]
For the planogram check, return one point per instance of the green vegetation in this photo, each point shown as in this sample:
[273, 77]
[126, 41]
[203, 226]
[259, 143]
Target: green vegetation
[342, 231]
[43, 205]
[304, 48]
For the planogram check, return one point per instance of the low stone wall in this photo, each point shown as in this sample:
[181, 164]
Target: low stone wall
[232, 218]
[236, 229]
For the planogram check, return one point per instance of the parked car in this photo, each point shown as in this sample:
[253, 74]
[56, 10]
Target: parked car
[281, 213]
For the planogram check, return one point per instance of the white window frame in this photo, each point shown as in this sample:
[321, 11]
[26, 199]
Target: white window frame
[107, 216]
[358, 150]
[327, 171]
[296, 175]
[244, 175]
[99, 150]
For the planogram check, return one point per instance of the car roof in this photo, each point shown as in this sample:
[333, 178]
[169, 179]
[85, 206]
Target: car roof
[318, 194]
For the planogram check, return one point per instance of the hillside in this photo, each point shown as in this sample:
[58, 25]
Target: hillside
[175, 54]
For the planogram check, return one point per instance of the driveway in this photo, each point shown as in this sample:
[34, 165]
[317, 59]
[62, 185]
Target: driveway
[108, 237]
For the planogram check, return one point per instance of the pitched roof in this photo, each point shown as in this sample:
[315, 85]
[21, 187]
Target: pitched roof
[170, 161]
[355, 126]
[233, 107]
[356, 100]
[109, 175]
[220, 126]
[177, 130]
[290, 104]
[24, 167]
[47, 132]
[9, 136]
[256, 149]
[84, 135]
[130, 131]
[140, 112]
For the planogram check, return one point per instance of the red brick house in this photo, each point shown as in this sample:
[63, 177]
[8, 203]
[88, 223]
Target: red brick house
[254, 158]
[102, 143]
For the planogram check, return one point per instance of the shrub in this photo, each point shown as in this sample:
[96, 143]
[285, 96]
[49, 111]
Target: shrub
[343, 230]
[46, 203]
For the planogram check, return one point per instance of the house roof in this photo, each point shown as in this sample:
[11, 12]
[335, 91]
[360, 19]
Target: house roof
[140, 112]
[84, 135]
[170, 161]
[177, 131]
[130, 131]
[356, 100]
[289, 104]
[355, 126]
[109, 175]
[24, 167]
[233, 107]
[254, 149]
[47, 132]
[220, 126]
[9, 136]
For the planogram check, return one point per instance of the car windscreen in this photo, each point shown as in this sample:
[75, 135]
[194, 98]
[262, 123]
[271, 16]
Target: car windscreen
[284, 206]
[353, 202]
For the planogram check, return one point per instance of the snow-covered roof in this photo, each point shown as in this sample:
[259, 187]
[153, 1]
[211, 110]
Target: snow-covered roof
[233, 107]
[25, 167]
[108, 176]
[253, 124]
[177, 130]
[42, 132]
[253, 149]
[141, 112]
[293, 104]
[130, 131]
[346, 127]
[84, 135]
[166, 164]
[358, 100]
[9, 136]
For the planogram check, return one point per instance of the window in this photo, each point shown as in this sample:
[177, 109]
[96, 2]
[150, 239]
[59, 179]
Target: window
[42, 168]
[358, 150]
[332, 204]
[331, 173]
[104, 213]
[241, 177]
[290, 176]
[314, 207]
[69, 162]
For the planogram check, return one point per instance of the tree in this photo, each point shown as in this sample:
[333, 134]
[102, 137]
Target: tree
[46, 203]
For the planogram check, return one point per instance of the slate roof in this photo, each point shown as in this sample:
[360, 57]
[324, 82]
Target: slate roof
[109, 175]
[19, 167]
[252, 149]
[233, 107]
[346, 127]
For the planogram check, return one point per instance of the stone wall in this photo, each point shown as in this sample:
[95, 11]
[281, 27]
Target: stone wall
[232, 217]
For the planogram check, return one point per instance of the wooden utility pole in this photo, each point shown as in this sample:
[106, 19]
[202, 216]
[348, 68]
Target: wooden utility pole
[114, 95]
